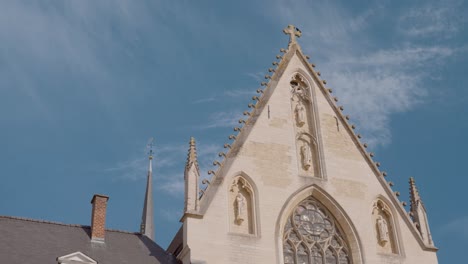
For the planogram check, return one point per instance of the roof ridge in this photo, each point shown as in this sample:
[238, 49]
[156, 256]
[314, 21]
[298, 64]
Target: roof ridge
[61, 224]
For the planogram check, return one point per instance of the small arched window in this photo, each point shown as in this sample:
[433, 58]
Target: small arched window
[312, 235]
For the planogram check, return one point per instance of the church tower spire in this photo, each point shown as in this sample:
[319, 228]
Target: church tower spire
[191, 177]
[147, 218]
[418, 213]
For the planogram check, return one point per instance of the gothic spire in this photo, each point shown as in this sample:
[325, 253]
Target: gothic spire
[192, 154]
[418, 214]
[147, 221]
[414, 195]
[191, 177]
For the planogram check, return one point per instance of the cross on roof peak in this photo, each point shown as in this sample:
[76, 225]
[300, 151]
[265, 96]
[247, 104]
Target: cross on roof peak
[293, 32]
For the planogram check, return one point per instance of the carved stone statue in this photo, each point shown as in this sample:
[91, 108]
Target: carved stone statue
[240, 208]
[300, 113]
[382, 227]
[306, 155]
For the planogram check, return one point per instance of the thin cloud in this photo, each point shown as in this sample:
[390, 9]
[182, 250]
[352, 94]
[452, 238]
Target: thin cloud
[372, 83]
[231, 94]
[441, 19]
[173, 185]
[171, 215]
[457, 226]
[222, 119]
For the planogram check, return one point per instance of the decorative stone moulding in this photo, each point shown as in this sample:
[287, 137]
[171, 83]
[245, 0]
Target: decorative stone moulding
[330, 90]
[307, 57]
[250, 105]
[318, 73]
[267, 77]
[353, 126]
[384, 173]
[397, 193]
[232, 137]
[237, 129]
[377, 164]
[282, 50]
[359, 135]
[260, 91]
[241, 199]
[275, 63]
[222, 154]
[384, 228]
[347, 117]
[324, 81]
[211, 172]
[364, 145]
[279, 57]
[313, 65]
[271, 70]
[206, 181]
[390, 183]
[227, 145]
[371, 154]
[404, 203]
[335, 99]
[216, 163]
[255, 98]
[263, 84]
[341, 108]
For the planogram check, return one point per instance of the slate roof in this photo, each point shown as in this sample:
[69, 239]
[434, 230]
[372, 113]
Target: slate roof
[34, 241]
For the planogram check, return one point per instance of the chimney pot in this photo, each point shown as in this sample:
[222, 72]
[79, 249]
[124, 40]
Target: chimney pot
[98, 217]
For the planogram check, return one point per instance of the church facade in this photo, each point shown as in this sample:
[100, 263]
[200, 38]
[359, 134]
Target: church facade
[297, 185]
[294, 186]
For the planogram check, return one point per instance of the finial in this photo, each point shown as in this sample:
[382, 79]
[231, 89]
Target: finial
[149, 146]
[293, 32]
[192, 153]
[414, 193]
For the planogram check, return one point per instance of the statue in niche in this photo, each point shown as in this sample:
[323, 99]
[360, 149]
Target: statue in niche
[306, 155]
[382, 227]
[300, 113]
[240, 208]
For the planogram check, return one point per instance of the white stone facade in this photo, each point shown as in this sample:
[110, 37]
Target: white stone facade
[245, 223]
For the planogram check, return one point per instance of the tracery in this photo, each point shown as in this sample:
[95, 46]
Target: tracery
[312, 236]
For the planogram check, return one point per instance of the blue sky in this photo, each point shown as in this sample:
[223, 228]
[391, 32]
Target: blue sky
[84, 84]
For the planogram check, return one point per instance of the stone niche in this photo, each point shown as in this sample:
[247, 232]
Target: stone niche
[241, 207]
[384, 228]
[308, 149]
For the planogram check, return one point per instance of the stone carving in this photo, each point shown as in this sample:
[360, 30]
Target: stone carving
[300, 113]
[241, 202]
[383, 230]
[310, 232]
[240, 207]
[308, 147]
[306, 155]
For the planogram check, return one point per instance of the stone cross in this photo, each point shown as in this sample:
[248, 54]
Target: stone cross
[293, 32]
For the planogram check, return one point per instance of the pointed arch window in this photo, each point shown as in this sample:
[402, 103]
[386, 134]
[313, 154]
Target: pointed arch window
[312, 236]
[242, 206]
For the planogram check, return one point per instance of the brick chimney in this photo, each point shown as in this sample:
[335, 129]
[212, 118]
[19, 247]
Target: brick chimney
[98, 217]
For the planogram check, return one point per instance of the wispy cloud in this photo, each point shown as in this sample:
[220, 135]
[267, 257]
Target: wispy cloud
[372, 82]
[440, 19]
[173, 185]
[171, 215]
[222, 119]
[168, 166]
[229, 94]
[457, 226]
